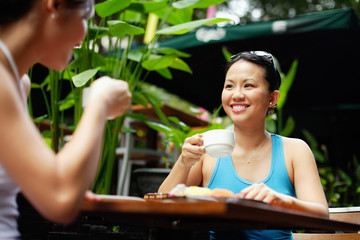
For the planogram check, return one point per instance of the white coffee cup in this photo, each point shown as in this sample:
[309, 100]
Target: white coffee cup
[219, 142]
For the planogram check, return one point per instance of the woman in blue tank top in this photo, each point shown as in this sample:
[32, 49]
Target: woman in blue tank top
[276, 170]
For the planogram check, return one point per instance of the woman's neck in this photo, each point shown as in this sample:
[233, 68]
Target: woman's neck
[250, 138]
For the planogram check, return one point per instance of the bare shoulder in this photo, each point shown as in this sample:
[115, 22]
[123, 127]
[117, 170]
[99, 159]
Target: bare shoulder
[295, 144]
[297, 149]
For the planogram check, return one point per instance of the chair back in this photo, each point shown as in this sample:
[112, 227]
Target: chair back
[347, 214]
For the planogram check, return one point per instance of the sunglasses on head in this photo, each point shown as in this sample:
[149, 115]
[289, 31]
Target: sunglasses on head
[85, 9]
[257, 53]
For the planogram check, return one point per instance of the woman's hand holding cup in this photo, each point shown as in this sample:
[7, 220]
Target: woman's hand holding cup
[192, 150]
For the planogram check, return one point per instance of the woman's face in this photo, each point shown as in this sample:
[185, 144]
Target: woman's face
[246, 95]
[69, 29]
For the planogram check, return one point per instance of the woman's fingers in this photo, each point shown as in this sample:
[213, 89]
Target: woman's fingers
[114, 93]
[261, 192]
[192, 149]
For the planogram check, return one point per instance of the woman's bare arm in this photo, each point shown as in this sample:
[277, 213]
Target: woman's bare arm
[55, 183]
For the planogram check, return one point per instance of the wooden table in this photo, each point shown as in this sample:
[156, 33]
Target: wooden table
[208, 214]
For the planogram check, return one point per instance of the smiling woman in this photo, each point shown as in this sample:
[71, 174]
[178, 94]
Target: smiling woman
[266, 167]
[55, 184]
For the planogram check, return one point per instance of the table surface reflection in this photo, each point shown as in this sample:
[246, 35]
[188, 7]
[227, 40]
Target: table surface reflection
[207, 213]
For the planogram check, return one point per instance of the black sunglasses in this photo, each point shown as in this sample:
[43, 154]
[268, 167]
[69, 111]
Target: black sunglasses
[85, 9]
[264, 54]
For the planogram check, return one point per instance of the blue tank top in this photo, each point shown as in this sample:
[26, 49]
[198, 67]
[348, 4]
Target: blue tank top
[225, 176]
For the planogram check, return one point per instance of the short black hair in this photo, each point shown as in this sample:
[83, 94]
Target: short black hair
[262, 59]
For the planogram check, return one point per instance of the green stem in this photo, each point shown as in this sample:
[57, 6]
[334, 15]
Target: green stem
[46, 102]
[54, 98]
[30, 109]
[112, 153]
[279, 121]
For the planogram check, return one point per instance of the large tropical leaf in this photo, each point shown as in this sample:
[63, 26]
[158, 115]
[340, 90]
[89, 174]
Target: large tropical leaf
[82, 78]
[139, 98]
[196, 3]
[120, 29]
[289, 127]
[158, 62]
[165, 72]
[108, 8]
[95, 32]
[180, 65]
[177, 16]
[186, 27]
[167, 51]
[286, 83]
[146, 7]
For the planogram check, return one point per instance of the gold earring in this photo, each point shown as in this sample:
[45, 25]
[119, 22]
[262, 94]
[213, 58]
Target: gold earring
[272, 109]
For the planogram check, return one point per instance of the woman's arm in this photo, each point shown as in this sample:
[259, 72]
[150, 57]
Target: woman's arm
[309, 192]
[187, 169]
[55, 184]
[310, 195]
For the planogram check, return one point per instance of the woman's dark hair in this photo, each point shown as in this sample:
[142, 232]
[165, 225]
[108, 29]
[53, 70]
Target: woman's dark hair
[262, 59]
[12, 10]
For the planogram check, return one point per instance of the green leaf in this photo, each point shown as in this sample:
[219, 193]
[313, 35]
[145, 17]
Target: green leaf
[82, 78]
[139, 98]
[156, 105]
[128, 130]
[270, 125]
[108, 8]
[185, 27]
[158, 62]
[68, 102]
[183, 126]
[39, 119]
[180, 65]
[120, 29]
[184, 3]
[165, 72]
[173, 51]
[207, 3]
[178, 16]
[95, 32]
[226, 54]
[286, 85]
[146, 7]
[310, 139]
[68, 75]
[289, 127]
[159, 127]
[137, 116]
[318, 156]
[135, 55]
[196, 3]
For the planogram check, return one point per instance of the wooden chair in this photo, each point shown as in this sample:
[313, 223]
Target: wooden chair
[348, 214]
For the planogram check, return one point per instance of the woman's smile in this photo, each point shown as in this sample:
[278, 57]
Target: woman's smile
[239, 107]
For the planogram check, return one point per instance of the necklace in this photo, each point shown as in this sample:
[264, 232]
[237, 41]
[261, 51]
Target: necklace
[257, 150]
[10, 59]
